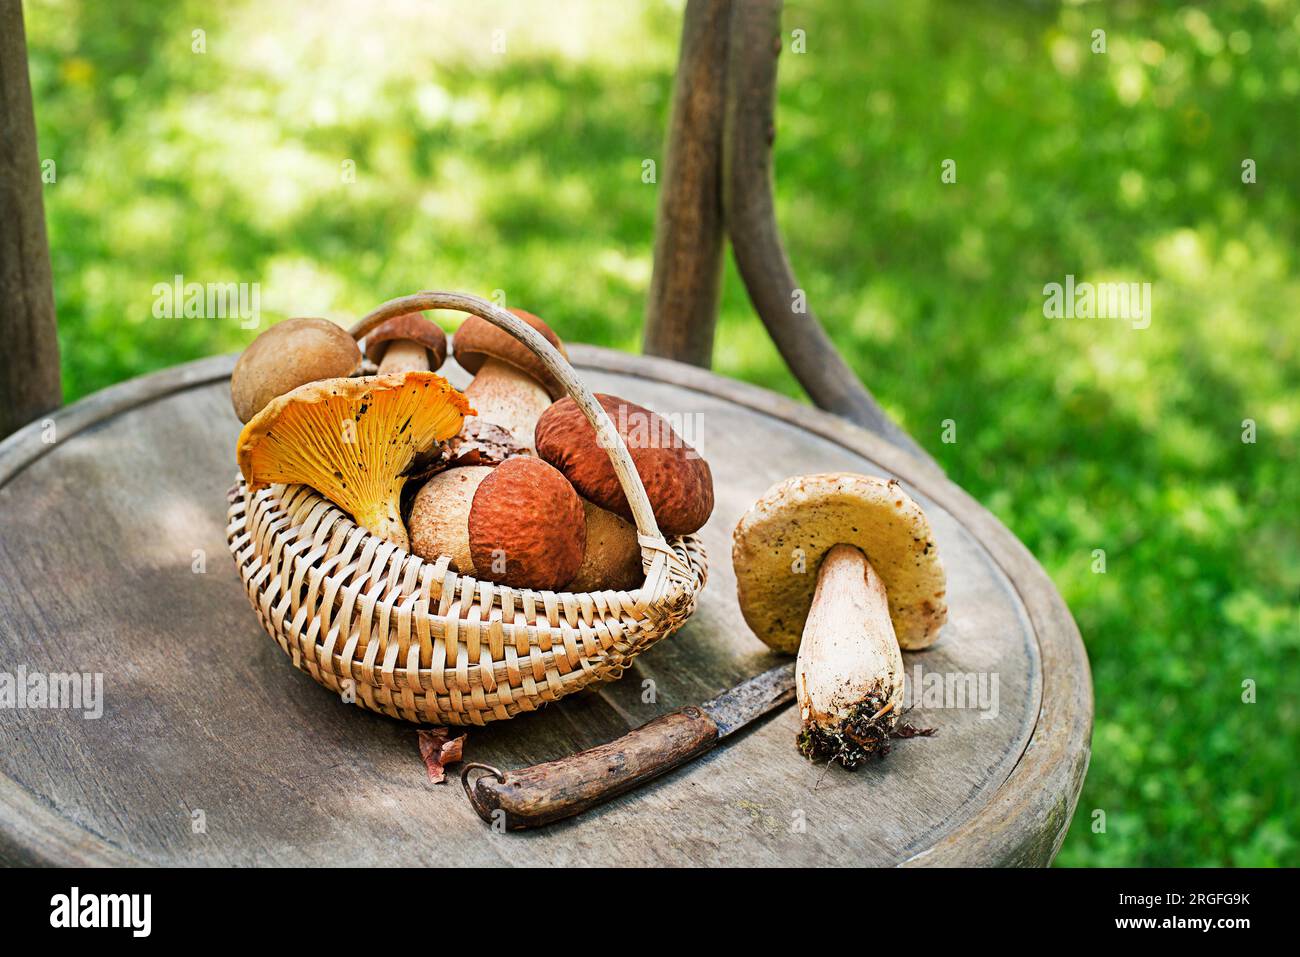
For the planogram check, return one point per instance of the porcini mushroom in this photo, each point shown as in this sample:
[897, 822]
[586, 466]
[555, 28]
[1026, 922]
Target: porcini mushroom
[353, 440]
[511, 386]
[409, 343]
[843, 568]
[519, 524]
[677, 480]
[612, 559]
[289, 354]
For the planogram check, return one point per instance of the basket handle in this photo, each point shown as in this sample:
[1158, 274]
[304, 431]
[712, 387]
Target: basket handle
[652, 540]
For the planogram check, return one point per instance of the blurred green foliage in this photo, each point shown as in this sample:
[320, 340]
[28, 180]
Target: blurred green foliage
[521, 170]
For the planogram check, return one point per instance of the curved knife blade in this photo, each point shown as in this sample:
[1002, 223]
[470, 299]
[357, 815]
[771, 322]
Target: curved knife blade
[751, 699]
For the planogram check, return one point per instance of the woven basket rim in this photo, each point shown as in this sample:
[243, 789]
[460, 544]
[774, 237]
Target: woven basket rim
[333, 520]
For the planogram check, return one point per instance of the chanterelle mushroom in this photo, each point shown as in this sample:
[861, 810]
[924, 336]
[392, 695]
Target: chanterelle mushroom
[844, 569]
[287, 355]
[511, 386]
[352, 440]
[677, 480]
[520, 523]
[409, 343]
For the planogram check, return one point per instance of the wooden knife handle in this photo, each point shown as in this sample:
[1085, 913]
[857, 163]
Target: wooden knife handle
[530, 797]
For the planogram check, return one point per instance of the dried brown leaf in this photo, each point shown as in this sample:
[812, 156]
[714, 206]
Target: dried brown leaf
[439, 749]
[482, 443]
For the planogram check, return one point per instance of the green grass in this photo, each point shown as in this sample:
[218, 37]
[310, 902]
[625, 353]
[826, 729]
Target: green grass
[522, 172]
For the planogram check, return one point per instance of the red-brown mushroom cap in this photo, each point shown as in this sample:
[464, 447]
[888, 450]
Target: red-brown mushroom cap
[526, 526]
[477, 340]
[677, 480]
[413, 327]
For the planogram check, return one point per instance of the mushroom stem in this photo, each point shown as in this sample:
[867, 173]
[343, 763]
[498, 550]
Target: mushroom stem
[385, 521]
[849, 675]
[508, 397]
[405, 355]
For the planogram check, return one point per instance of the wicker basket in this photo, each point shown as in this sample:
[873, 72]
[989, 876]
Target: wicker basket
[414, 640]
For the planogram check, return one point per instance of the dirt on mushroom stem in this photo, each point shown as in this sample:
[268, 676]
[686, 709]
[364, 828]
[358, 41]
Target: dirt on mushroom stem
[865, 734]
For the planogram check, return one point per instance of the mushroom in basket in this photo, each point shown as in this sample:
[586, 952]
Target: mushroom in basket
[678, 483]
[519, 524]
[353, 441]
[409, 343]
[612, 557]
[289, 354]
[511, 386]
[844, 569]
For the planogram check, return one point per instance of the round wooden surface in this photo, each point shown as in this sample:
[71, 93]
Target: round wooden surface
[212, 749]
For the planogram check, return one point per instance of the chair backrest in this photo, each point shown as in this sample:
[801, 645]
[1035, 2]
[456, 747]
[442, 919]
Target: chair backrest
[29, 345]
[718, 179]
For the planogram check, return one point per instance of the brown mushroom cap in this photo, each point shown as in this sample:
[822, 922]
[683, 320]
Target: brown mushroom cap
[778, 546]
[440, 516]
[613, 556]
[477, 340]
[412, 327]
[289, 354]
[526, 526]
[677, 481]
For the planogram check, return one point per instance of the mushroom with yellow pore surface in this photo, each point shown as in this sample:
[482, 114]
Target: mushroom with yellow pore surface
[353, 441]
[844, 569]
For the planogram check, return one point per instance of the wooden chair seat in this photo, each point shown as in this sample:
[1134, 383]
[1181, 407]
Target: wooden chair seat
[113, 560]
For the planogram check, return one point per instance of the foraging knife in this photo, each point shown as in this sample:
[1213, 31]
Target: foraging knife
[531, 797]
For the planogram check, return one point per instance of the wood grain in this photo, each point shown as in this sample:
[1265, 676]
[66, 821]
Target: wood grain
[682, 307]
[29, 361]
[100, 534]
